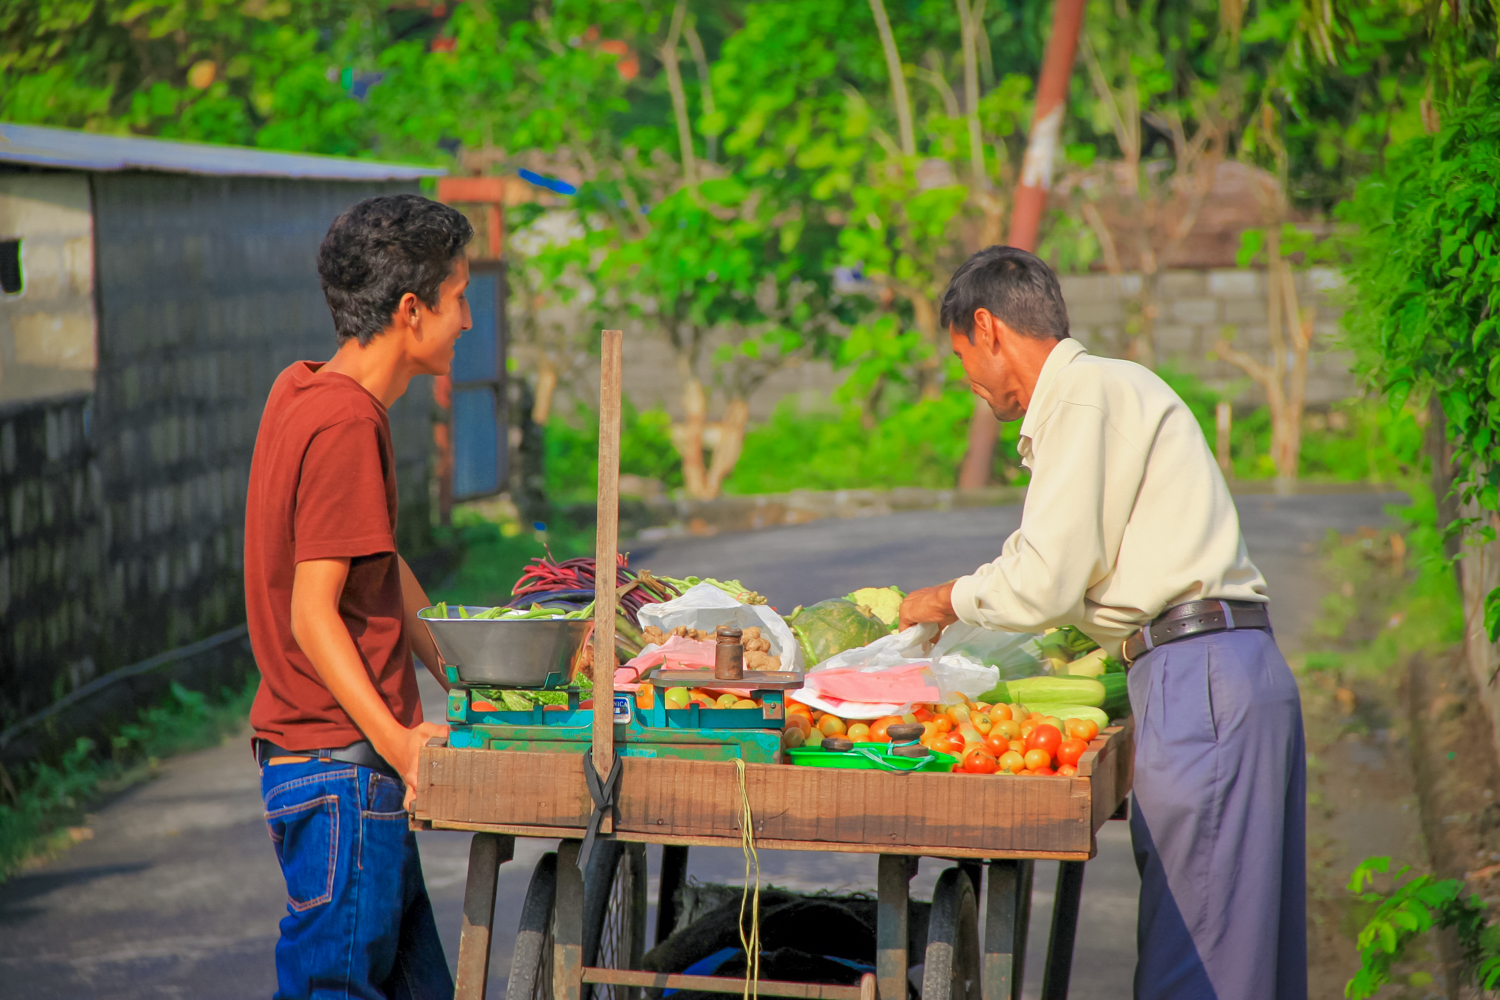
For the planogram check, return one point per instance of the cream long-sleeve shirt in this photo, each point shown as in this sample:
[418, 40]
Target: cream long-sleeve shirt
[1127, 513]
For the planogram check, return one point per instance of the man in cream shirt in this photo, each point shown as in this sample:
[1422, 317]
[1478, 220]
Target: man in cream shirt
[1130, 534]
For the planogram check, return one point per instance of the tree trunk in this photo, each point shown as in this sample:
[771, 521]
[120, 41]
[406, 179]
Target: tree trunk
[1030, 202]
[694, 416]
[546, 386]
[669, 61]
[731, 443]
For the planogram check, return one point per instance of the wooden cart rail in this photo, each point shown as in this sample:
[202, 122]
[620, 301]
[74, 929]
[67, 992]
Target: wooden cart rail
[665, 800]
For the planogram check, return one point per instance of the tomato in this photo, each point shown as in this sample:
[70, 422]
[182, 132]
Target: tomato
[980, 721]
[859, 732]
[879, 726]
[979, 762]
[1025, 771]
[1070, 749]
[1035, 717]
[1083, 729]
[957, 713]
[996, 744]
[1018, 712]
[943, 724]
[1019, 746]
[1027, 728]
[1000, 713]
[922, 713]
[1046, 772]
[796, 720]
[1009, 729]
[1067, 771]
[1038, 758]
[1044, 737]
[1054, 722]
[832, 725]
[1011, 762]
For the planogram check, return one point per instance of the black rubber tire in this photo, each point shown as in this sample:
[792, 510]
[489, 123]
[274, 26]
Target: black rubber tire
[951, 966]
[614, 913]
[531, 961]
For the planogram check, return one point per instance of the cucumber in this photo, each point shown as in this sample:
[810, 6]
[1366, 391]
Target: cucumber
[1116, 694]
[1066, 712]
[1041, 692]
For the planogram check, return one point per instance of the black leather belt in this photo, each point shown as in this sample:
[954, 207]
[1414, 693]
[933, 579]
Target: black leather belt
[1195, 618]
[361, 753]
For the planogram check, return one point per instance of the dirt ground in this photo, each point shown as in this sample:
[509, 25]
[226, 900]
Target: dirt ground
[1400, 763]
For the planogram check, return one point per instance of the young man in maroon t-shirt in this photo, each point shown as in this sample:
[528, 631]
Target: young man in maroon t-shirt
[333, 611]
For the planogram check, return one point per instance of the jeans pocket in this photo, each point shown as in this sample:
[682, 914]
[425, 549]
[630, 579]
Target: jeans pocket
[306, 836]
[385, 797]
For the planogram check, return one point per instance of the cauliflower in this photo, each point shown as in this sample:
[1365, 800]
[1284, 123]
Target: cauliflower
[883, 602]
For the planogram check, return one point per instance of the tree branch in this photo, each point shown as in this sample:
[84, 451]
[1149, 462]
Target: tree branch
[898, 79]
[668, 54]
[705, 83]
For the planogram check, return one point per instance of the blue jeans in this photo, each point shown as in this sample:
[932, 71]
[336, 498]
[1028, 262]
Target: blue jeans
[359, 924]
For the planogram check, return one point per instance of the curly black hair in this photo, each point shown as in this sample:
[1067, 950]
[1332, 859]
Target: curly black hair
[1015, 286]
[379, 250]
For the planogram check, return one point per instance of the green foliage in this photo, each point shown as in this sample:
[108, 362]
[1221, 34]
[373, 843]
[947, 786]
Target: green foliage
[572, 460]
[919, 444]
[1411, 909]
[496, 551]
[1426, 279]
[51, 795]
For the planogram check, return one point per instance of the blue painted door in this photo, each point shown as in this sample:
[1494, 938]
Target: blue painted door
[479, 439]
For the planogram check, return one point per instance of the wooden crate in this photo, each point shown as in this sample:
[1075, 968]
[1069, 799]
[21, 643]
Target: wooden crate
[795, 808]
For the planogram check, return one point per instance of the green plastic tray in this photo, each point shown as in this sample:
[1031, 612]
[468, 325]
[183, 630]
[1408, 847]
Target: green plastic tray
[870, 757]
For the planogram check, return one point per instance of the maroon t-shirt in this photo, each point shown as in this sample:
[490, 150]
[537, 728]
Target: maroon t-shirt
[322, 486]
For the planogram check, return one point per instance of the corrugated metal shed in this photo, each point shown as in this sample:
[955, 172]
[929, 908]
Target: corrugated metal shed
[36, 146]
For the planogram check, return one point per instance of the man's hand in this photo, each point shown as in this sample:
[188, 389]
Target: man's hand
[403, 750]
[930, 604]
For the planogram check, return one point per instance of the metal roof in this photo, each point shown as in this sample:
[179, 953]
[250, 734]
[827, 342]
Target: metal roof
[37, 146]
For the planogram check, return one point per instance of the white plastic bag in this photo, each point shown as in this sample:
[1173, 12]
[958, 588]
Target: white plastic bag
[706, 607]
[1013, 654]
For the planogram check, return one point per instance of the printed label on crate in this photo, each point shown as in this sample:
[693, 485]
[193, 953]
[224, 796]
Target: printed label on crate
[622, 709]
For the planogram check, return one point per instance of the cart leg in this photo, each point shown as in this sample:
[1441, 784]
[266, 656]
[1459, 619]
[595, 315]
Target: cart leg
[567, 963]
[674, 858]
[487, 852]
[1064, 930]
[894, 881]
[1007, 916]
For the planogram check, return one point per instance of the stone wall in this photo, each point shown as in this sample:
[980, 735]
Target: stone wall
[47, 326]
[206, 290]
[1196, 307]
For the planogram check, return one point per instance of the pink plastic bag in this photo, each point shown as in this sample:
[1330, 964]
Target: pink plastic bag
[677, 653]
[907, 682]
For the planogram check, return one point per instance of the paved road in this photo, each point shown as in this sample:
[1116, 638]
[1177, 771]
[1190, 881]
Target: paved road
[178, 894]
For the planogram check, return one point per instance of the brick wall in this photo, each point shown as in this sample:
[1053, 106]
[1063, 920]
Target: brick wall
[206, 290]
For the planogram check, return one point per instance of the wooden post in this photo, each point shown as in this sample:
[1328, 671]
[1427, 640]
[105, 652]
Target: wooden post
[893, 876]
[606, 548]
[1008, 915]
[567, 929]
[487, 852]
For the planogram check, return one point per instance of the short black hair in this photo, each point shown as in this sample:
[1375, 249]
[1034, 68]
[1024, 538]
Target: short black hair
[1017, 288]
[379, 250]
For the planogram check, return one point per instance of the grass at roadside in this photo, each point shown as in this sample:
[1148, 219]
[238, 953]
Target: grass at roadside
[40, 810]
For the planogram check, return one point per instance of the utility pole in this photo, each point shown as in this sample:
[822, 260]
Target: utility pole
[1030, 202]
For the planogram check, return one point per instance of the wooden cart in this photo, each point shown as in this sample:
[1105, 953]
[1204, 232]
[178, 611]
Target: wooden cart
[997, 823]
[586, 931]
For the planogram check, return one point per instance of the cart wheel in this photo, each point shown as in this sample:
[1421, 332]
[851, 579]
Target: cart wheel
[951, 971]
[531, 962]
[614, 913]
